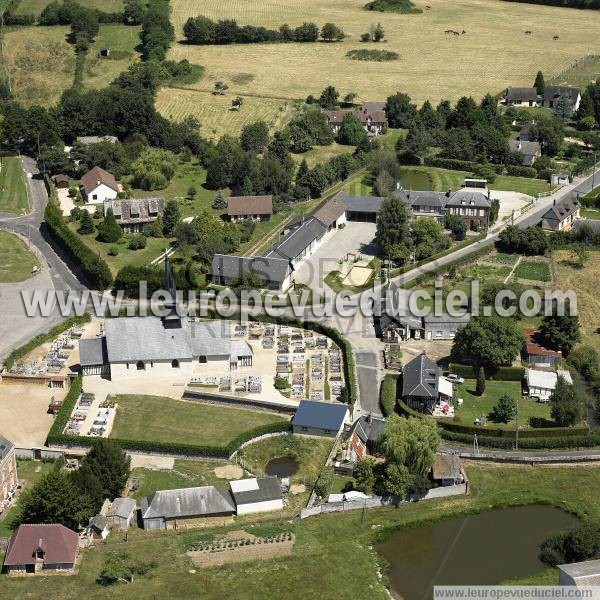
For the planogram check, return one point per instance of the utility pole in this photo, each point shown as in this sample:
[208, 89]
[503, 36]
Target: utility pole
[475, 445]
[594, 173]
[517, 433]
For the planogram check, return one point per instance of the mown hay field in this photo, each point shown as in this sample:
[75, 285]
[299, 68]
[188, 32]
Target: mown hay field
[35, 7]
[493, 53]
[215, 113]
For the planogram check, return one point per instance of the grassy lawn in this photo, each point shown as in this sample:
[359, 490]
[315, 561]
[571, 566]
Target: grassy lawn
[41, 63]
[508, 58]
[13, 196]
[531, 187]
[476, 406]
[167, 420]
[185, 473]
[307, 572]
[341, 483]
[17, 260]
[31, 471]
[533, 270]
[321, 154]
[590, 213]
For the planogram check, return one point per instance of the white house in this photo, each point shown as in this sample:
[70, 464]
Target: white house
[256, 495]
[541, 384]
[98, 185]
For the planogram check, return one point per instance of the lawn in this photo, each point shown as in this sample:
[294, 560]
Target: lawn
[534, 270]
[590, 213]
[17, 260]
[580, 75]
[40, 62]
[343, 537]
[215, 114]
[13, 189]
[157, 418]
[493, 55]
[321, 154]
[476, 406]
[185, 473]
[31, 471]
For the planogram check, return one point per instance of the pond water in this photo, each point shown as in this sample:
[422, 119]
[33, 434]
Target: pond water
[414, 180]
[284, 466]
[482, 549]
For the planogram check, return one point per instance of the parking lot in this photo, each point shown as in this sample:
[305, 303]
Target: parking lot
[357, 238]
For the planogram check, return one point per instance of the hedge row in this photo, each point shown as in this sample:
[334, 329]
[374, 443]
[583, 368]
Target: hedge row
[552, 437]
[57, 437]
[95, 268]
[499, 374]
[33, 343]
[388, 392]
[465, 165]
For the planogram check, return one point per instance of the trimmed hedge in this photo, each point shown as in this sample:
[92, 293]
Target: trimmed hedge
[388, 392]
[22, 351]
[465, 165]
[499, 374]
[519, 171]
[57, 437]
[95, 268]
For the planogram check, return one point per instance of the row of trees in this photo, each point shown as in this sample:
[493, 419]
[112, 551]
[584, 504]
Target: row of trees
[204, 31]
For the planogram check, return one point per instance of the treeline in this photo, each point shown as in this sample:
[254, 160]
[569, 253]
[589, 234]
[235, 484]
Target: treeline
[593, 4]
[201, 30]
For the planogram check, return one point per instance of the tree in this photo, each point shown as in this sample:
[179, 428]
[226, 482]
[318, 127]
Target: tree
[220, 202]
[560, 332]
[171, 216]
[330, 32]
[307, 32]
[84, 22]
[87, 225]
[122, 567]
[324, 482]
[580, 255]
[255, 137]
[364, 476]
[352, 132]
[329, 98]
[397, 480]
[392, 225]
[585, 360]
[563, 107]
[456, 225]
[377, 32]
[237, 102]
[200, 30]
[566, 405]
[133, 12]
[480, 384]
[153, 169]
[505, 410]
[540, 84]
[489, 341]
[428, 237]
[400, 112]
[109, 464]
[494, 210]
[109, 230]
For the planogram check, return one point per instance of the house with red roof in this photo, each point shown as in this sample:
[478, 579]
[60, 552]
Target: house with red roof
[98, 185]
[38, 549]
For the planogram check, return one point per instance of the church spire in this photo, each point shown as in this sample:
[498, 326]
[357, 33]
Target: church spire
[172, 319]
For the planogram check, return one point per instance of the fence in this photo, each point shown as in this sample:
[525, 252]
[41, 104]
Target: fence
[240, 402]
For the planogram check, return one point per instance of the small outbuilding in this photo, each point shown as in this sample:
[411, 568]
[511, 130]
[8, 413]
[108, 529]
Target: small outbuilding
[319, 418]
[61, 181]
[262, 494]
[121, 513]
[541, 384]
[98, 528]
[447, 470]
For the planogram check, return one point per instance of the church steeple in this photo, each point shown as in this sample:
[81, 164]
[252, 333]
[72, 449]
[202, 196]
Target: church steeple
[172, 319]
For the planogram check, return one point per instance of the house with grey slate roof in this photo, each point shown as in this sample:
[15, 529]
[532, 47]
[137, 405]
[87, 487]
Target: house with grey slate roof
[274, 273]
[552, 93]
[420, 384]
[530, 151]
[522, 96]
[255, 495]
[562, 214]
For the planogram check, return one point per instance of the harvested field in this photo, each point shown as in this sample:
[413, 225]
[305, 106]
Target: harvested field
[215, 113]
[493, 53]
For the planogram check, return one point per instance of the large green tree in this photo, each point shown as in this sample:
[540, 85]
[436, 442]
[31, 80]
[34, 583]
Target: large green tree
[566, 405]
[540, 83]
[171, 217]
[392, 226]
[109, 465]
[352, 132]
[255, 137]
[109, 230]
[400, 111]
[560, 332]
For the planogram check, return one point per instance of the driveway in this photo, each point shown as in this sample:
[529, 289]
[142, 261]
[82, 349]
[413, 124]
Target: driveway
[354, 237]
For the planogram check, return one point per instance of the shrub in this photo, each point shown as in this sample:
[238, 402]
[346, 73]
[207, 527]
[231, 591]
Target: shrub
[137, 242]
[113, 251]
[388, 394]
[372, 55]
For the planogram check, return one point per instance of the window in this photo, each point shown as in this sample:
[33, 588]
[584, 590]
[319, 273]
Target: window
[202, 360]
[175, 364]
[94, 196]
[140, 366]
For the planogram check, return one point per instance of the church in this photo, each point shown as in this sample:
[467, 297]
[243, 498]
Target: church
[159, 345]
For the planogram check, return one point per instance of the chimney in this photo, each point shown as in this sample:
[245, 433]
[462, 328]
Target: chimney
[554, 203]
[448, 193]
[369, 418]
[97, 182]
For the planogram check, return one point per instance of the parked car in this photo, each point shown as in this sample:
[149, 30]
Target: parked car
[453, 378]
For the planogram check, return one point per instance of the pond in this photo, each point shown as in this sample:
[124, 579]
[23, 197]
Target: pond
[414, 180]
[283, 466]
[482, 549]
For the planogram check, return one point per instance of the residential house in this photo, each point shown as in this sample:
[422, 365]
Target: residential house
[553, 93]
[300, 242]
[262, 494]
[121, 513]
[580, 574]
[38, 549]
[374, 106]
[472, 207]
[447, 470]
[522, 97]
[257, 208]
[525, 133]
[8, 471]
[274, 273]
[87, 140]
[364, 439]
[332, 214]
[420, 384]
[530, 151]
[323, 419]
[61, 181]
[562, 214]
[373, 121]
[444, 326]
[98, 185]
[541, 384]
[187, 507]
[537, 355]
[424, 203]
[134, 214]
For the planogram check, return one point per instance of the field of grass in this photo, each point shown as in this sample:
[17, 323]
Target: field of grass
[307, 572]
[533, 270]
[185, 473]
[17, 260]
[492, 55]
[215, 113]
[581, 75]
[35, 7]
[321, 154]
[13, 189]
[476, 406]
[163, 419]
[39, 62]
[590, 213]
